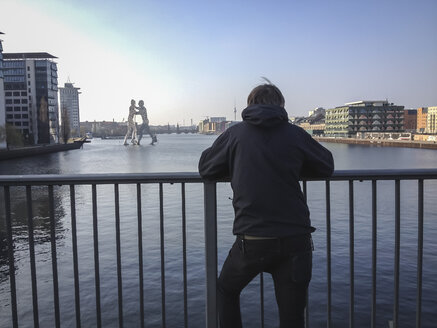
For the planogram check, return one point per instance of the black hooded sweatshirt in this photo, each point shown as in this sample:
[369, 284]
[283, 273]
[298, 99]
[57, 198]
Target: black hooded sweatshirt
[265, 157]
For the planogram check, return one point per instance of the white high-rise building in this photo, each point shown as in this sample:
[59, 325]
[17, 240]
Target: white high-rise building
[31, 95]
[2, 102]
[69, 101]
[431, 120]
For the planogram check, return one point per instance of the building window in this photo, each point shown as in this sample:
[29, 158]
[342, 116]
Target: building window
[17, 116]
[16, 93]
[29, 91]
[24, 93]
[28, 82]
[8, 94]
[8, 101]
[24, 101]
[9, 116]
[25, 116]
[28, 68]
[17, 109]
[24, 108]
[14, 63]
[9, 109]
[16, 101]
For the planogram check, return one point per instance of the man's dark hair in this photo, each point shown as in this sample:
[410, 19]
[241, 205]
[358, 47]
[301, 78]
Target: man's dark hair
[266, 94]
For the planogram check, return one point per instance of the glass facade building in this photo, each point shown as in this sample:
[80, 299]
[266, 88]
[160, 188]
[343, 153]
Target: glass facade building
[31, 96]
[2, 102]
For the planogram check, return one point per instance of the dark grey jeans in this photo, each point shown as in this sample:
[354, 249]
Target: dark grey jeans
[288, 260]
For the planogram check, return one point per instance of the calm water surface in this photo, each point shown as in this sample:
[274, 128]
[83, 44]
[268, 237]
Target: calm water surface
[180, 153]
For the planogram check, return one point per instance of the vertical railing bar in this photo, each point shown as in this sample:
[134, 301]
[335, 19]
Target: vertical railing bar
[184, 254]
[307, 308]
[75, 256]
[32, 256]
[261, 288]
[210, 223]
[161, 230]
[351, 255]
[118, 246]
[397, 252]
[54, 258]
[304, 189]
[374, 252]
[96, 256]
[11, 256]
[328, 252]
[419, 255]
[140, 254]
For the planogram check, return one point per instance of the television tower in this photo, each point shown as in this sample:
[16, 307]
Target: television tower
[235, 111]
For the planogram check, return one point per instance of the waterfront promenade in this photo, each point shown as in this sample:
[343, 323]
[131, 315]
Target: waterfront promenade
[381, 142]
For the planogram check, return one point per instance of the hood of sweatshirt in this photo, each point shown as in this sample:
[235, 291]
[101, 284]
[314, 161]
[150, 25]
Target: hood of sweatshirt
[264, 115]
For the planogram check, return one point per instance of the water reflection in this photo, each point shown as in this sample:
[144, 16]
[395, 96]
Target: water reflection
[43, 164]
[19, 218]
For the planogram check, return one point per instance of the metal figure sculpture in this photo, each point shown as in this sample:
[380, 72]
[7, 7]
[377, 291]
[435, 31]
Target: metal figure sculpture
[131, 127]
[144, 127]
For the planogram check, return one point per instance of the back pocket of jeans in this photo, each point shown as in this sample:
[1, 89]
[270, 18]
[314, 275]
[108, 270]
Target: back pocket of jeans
[302, 266]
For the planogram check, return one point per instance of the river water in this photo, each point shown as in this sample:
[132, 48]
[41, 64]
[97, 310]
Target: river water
[180, 153]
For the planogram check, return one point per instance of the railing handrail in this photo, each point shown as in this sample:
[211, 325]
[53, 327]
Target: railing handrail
[210, 224]
[191, 177]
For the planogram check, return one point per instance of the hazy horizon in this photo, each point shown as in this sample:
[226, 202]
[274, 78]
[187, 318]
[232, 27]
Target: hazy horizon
[192, 59]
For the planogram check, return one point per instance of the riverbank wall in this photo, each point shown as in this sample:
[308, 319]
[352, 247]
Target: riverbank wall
[39, 150]
[382, 142]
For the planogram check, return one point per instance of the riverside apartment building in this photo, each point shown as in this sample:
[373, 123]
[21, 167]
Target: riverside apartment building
[431, 122]
[69, 101]
[364, 116]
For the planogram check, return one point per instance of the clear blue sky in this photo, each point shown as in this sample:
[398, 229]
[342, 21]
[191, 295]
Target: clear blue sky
[190, 59]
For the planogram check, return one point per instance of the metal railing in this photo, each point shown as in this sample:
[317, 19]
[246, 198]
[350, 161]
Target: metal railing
[210, 234]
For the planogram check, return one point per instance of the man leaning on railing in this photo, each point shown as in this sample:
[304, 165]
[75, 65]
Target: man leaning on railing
[265, 157]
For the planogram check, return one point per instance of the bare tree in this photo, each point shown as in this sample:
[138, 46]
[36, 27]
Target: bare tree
[13, 137]
[65, 127]
[2, 133]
